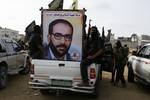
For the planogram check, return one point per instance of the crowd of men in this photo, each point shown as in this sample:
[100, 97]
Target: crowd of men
[95, 51]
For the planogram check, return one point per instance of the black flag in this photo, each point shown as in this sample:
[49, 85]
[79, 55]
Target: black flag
[56, 5]
[89, 29]
[103, 34]
[29, 29]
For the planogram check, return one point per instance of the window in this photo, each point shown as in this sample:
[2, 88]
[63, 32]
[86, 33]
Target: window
[16, 46]
[141, 52]
[147, 53]
[9, 47]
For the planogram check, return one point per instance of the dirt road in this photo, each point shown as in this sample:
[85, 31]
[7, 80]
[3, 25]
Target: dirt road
[18, 89]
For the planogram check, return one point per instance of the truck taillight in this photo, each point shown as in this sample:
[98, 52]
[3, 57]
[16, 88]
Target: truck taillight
[92, 73]
[32, 69]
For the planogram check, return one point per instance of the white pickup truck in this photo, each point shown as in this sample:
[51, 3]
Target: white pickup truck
[54, 75]
[13, 60]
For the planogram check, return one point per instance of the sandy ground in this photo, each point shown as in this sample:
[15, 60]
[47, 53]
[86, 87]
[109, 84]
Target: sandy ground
[18, 89]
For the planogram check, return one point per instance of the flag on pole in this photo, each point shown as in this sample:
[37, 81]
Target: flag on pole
[89, 29]
[56, 5]
[103, 33]
[75, 4]
[29, 29]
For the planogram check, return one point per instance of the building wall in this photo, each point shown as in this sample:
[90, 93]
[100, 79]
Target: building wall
[135, 41]
[5, 32]
[131, 45]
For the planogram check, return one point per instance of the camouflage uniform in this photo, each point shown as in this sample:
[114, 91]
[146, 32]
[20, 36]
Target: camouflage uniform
[120, 61]
[35, 43]
[126, 50]
[95, 46]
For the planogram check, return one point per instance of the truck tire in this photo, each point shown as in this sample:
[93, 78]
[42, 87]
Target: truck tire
[44, 91]
[3, 76]
[130, 73]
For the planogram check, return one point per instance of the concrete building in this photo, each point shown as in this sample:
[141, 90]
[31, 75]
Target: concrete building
[14, 34]
[135, 41]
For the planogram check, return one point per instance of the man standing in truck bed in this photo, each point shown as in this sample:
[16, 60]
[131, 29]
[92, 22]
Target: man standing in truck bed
[95, 50]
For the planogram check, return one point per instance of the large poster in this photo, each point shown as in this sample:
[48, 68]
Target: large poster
[62, 35]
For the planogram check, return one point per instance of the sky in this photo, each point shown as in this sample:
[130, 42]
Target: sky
[123, 17]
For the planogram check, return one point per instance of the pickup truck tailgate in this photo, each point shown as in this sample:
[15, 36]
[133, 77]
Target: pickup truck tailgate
[53, 68]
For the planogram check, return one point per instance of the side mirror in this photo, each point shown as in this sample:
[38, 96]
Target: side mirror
[134, 52]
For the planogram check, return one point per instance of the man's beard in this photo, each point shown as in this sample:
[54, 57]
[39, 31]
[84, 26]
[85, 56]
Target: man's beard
[61, 52]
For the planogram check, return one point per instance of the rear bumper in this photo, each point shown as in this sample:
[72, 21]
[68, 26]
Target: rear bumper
[42, 85]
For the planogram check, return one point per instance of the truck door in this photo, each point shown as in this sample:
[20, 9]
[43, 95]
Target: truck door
[19, 55]
[145, 64]
[2, 52]
[11, 54]
[139, 61]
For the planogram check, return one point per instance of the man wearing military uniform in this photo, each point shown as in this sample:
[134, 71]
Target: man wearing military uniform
[120, 62]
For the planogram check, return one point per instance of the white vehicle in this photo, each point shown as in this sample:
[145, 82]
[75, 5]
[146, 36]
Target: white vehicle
[139, 65]
[12, 60]
[54, 75]
[51, 75]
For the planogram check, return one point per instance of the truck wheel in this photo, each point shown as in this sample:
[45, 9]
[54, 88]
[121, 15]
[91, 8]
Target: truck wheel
[3, 76]
[44, 91]
[130, 73]
[26, 69]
